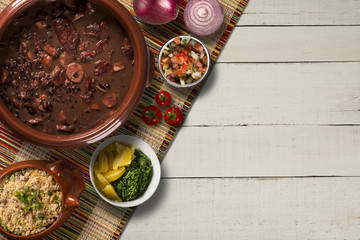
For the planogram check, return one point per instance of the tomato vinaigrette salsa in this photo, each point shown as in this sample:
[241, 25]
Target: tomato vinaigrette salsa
[184, 61]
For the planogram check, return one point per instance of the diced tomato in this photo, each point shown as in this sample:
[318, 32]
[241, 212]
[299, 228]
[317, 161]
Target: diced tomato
[179, 73]
[184, 68]
[198, 64]
[174, 59]
[182, 58]
[204, 60]
[202, 69]
[177, 40]
[198, 47]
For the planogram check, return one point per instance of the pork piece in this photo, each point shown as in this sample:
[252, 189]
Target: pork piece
[43, 103]
[47, 61]
[86, 56]
[101, 89]
[88, 82]
[87, 98]
[89, 9]
[93, 27]
[101, 46]
[92, 30]
[128, 51]
[102, 67]
[63, 118]
[77, 16]
[35, 121]
[66, 32]
[118, 66]
[83, 45]
[109, 99]
[96, 107]
[30, 55]
[65, 58]
[62, 77]
[4, 75]
[65, 128]
[33, 84]
[55, 72]
[51, 50]
[75, 72]
[40, 25]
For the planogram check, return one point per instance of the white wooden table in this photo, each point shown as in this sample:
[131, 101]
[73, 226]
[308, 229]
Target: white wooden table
[271, 146]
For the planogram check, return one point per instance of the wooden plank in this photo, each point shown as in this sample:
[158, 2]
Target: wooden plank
[211, 209]
[304, 12]
[236, 94]
[292, 44]
[264, 151]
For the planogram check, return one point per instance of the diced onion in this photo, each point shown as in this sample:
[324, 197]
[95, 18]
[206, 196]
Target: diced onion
[194, 55]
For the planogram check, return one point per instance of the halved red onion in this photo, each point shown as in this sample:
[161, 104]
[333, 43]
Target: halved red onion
[156, 11]
[203, 17]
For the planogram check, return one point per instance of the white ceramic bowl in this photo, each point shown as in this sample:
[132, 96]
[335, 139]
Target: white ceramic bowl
[187, 84]
[146, 149]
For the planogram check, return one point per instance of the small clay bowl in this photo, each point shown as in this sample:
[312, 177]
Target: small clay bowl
[71, 185]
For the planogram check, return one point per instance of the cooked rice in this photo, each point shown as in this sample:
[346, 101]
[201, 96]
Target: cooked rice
[16, 215]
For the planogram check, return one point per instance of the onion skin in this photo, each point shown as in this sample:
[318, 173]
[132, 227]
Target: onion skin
[156, 12]
[203, 17]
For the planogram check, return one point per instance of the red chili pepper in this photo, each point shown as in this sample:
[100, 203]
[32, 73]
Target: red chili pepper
[173, 116]
[163, 98]
[151, 115]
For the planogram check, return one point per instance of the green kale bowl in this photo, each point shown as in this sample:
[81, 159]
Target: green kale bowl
[144, 157]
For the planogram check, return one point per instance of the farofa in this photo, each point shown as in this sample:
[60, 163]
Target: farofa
[30, 201]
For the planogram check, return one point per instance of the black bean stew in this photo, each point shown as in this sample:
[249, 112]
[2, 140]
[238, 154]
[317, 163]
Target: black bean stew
[65, 66]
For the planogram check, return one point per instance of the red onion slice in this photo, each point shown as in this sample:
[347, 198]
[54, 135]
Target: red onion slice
[203, 17]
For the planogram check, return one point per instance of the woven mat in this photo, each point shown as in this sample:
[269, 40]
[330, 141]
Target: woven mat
[95, 219]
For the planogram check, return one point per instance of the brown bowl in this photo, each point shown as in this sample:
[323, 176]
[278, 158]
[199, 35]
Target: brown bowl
[143, 74]
[71, 185]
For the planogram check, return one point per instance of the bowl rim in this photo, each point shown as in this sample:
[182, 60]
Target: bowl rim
[121, 114]
[138, 144]
[190, 84]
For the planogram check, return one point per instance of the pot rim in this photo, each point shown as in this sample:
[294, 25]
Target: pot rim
[127, 106]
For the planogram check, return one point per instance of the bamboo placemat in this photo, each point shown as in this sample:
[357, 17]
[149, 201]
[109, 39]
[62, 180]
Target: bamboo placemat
[95, 219]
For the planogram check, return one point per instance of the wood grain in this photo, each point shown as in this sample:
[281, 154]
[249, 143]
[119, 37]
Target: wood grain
[283, 104]
[293, 44]
[304, 12]
[261, 209]
[264, 151]
[301, 93]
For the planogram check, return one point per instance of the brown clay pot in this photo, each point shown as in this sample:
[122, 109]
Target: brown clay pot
[143, 74]
[71, 185]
